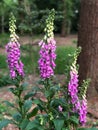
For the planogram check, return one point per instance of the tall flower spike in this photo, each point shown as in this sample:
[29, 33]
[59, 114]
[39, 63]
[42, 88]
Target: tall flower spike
[83, 112]
[13, 52]
[83, 108]
[73, 84]
[47, 51]
[80, 104]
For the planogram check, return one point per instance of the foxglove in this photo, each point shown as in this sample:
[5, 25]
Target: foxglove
[13, 52]
[47, 51]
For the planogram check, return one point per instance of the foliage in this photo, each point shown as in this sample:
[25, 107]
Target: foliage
[3, 64]
[63, 59]
[4, 38]
[47, 113]
[3, 109]
[6, 7]
[33, 14]
[5, 80]
[38, 17]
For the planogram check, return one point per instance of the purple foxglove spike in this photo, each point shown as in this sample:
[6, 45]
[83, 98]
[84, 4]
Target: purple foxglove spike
[13, 60]
[47, 58]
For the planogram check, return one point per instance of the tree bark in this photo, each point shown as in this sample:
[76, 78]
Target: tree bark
[63, 29]
[88, 40]
[21, 14]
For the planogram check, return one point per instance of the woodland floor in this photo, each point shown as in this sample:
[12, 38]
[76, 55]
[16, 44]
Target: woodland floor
[92, 103]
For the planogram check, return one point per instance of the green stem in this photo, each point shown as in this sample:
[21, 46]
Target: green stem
[48, 109]
[20, 101]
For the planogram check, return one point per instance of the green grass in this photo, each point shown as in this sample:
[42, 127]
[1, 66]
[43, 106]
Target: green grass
[63, 59]
[4, 38]
[30, 58]
[3, 64]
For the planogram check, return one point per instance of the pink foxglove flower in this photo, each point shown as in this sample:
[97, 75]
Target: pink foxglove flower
[13, 59]
[47, 58]
[78, 106]
[47, 51]
[83, 112]
[73, 86]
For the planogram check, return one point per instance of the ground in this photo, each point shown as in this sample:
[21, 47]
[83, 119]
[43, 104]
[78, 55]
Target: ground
[61, 41]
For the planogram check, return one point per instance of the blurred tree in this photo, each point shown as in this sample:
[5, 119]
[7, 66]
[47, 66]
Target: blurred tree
[6, 6]
[70, 9]
[88, 40]
[27, 11]
[43, 4]
[67, 17]
[75, 19]
[31, 14]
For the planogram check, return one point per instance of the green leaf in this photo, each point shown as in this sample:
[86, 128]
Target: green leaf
[37, 101]
[12, 90]
[88, 128]
[32, 125]
[4, 123]
[28, 95]
[49, 94]
[65, 129]
[17, 117]
[27, 105]
[58, 124]
[33, 112]
[24, 85]
[94, 128]
[65, 114]
[55, 88]
[82, 129]
[36, 88]
[74, 120]
[9, 104]
[24, 124]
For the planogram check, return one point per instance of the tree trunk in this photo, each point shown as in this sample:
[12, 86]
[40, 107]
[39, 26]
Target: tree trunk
[63, 30]
[21, 14]
[88, 40]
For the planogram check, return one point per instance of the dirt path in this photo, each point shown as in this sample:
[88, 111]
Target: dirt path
[61, 41]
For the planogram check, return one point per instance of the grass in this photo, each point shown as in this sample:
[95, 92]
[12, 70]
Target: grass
[30, 58]
[63, 59]
[4, 38]
[3, 64]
